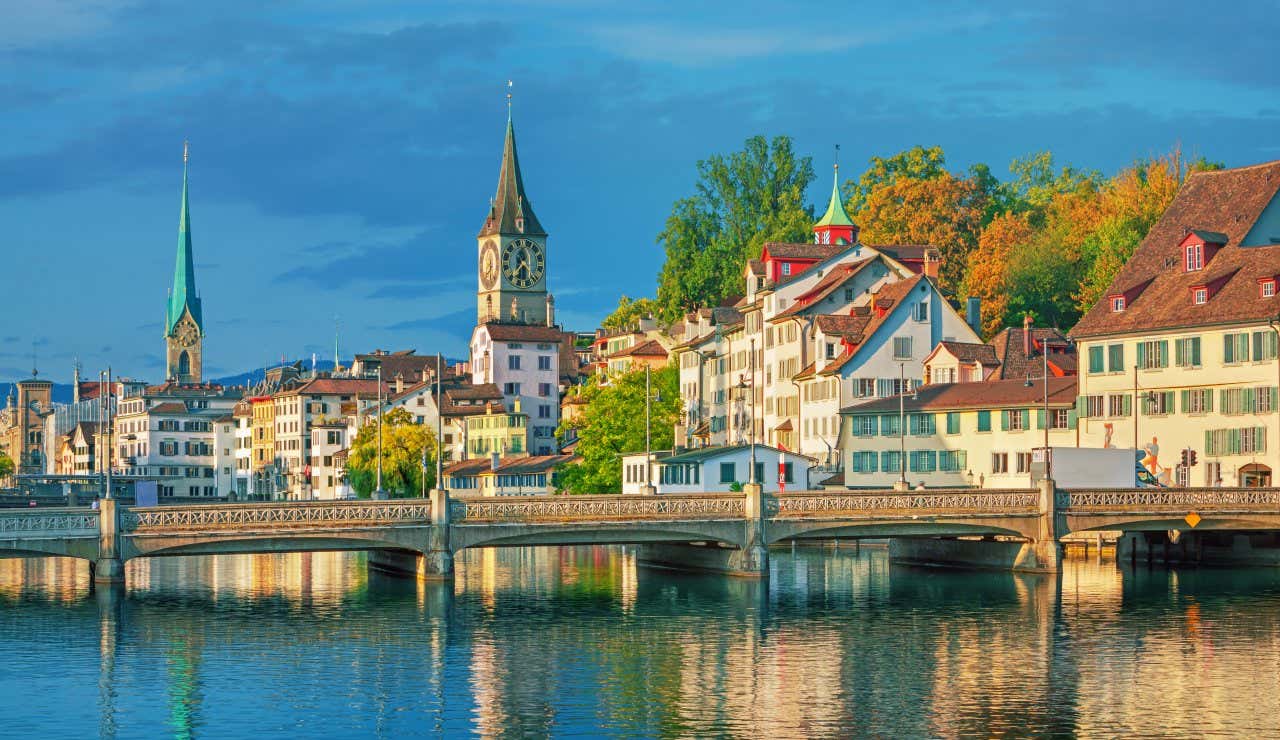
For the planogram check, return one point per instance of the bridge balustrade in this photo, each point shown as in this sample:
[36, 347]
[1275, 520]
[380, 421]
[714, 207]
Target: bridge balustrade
[534, 509]
[257, 516]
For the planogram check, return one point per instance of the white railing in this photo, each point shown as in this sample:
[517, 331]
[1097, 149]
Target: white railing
[1137, 499]
[964, 501]
[49, 522]
[579, 508]
[276, 515]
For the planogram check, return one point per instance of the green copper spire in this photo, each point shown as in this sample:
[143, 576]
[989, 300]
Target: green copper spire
[835, 215]
[183, 296]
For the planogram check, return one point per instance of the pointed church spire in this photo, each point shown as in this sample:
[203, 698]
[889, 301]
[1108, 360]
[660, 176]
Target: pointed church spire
[511, 212]
[835, 226]
[183, 296]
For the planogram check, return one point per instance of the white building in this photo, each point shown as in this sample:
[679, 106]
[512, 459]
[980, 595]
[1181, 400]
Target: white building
[169, 433]
[328, 438]
[523, 362]
[718, 470]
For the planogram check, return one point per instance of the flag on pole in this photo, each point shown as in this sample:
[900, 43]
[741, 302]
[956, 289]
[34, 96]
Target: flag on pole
[782, 469]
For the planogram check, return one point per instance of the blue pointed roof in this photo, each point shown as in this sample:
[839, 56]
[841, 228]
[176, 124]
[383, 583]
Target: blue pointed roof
[183, 296]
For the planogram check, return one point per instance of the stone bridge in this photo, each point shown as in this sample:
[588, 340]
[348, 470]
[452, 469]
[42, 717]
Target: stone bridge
[727, 532]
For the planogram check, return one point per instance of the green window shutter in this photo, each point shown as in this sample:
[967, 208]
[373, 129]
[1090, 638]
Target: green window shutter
[963, 459]
[1249, 401]
[1186, 401]
[1004, 420]
[1208, 400]
[1040, 420]
[984, 421]
[1164, 353]
[1073, 418]
[1168, 402]
[1228, 349]
[1142, 354]
[1257, 345]
[1195, 351]
[1095, 359]
[1127, 405]
[1222, 397]
[953, 422]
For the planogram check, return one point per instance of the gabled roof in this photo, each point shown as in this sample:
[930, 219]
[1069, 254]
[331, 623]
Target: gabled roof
[508, 465]
[1015, 364]
[829, 283]
[1228, 202]
[647, 348]
[802, 250]
[505, 332]
[710, 453]
[983, 354]
[367, 387]
[510, 201]
[993, 394]
[889, 299]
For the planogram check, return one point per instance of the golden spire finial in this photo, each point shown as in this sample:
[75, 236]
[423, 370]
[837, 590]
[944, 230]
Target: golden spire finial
[509, 86]
[186, 150]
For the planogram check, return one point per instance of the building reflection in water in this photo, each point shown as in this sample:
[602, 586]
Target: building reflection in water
[534, 641]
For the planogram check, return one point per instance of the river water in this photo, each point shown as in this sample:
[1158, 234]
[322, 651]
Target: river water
[582, 642]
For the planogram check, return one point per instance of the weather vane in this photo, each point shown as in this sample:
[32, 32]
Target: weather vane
[509, 86]
[185, 150]
[837, 165]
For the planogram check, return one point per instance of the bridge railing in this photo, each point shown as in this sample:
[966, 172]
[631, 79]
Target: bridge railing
[534, 509]
[275, 515]
[48, 522]
[933, 501]
[1177, 499]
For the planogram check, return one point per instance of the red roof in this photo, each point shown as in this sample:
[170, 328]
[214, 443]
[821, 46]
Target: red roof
[978, 395]
[504, 332]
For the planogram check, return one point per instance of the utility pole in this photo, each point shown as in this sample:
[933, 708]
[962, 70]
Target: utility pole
[752, 477]
[439, 424]
[378, 493]
[107, 432]
[902, 425]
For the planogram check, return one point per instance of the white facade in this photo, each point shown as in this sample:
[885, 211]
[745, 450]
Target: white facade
[525, 369]
[718, 470]
[170, 433]
[326, 441]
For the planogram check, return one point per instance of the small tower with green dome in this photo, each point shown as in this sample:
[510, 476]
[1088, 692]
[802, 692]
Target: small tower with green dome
[835, 226]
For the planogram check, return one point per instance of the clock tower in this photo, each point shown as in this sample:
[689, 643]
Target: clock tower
[184, 320]
[512, 251]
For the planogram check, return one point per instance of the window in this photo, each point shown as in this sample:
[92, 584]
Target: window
[952, 461]
[902, 348]
[1158, 404]
[1153, 355]
[1059, 419]
[788, 473]
[1267, 288]
[890, 426]
[544, 389]
[1186, 352]
[1119, 404]
[544, 411]
[1093, 406]
[863, 462]
[922, 424]
[1243, 441]
[1117, 303]
[727, 473]
[1023, 462]
[891, 461]
[848, 294]
[1194, 257]
[831, 351]
[999, 462]
[1015, 420]
[920, 311]
[544, 362]
[1264, 345]
[864, 426]
[1197, 401]
[1200, 296]
[1115, 358]
[786, 268]
[1095, 360]
[513, 362]
[1235, 348]
[511, 389]
[953, 422]
[923, 461]
[984, 421]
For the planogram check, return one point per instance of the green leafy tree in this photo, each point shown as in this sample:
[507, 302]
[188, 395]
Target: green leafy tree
[612, 424]
[629, 312]
[6, 465]
[916, 163]
[741, 200]
[402, 443]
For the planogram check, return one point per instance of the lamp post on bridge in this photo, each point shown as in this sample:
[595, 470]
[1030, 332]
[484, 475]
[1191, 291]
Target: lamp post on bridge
[378, 493]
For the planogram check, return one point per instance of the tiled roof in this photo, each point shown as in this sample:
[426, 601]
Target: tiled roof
[1015, 364]
[844, 324]
[1225, 201]
[647, 348]
[979, 395]
[889, 298]
[902, 252]
[510, 203]
[802, 250]
[338, 386]
[505, 332]
[406, 363]
[828, 284]
[168, 407]
[509, 465]
[984, 354]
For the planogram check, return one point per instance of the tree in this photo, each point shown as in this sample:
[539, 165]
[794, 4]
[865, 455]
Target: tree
[402, 443]
[916, 163]
[612, 424]
[6, 465]
[741, 201]
[629, 312]
[987, 271]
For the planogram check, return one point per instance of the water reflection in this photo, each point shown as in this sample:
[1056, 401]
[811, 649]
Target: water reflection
[581, 640]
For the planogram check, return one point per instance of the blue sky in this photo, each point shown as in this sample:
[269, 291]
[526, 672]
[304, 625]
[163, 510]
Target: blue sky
[343, 154]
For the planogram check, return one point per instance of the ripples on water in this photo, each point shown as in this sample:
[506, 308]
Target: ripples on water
[579, 641]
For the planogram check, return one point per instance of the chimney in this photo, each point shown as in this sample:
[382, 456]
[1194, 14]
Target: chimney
[551, 310]
[973, 314]
[1026, 335]
[932, 263]
[399, 383]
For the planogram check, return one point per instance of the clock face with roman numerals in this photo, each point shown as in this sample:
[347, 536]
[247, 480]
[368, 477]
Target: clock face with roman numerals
[187, 334]
[489, 265]
[523, 263]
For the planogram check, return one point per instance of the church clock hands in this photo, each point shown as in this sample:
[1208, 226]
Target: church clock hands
[489, 265]
[522, 263]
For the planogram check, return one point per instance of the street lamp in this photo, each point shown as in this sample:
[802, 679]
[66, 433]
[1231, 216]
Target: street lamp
[648, 451]
[902, 425]
[378, 493]
[752, 477]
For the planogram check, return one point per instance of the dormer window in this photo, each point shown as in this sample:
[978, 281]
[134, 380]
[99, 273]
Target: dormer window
[1194, 259]
[1117, 303]
[1267, 287]
[1200, 296]
[786, 268]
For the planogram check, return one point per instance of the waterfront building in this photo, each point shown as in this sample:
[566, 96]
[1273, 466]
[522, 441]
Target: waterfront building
[263, 446]
[242, 416]
[954, 435]
[515, 476]
[831, 323]
[298, 407]
[1181, 352]
[717, 470]
[328, 438]
[22, 424]
[184, 317]
[168, 433]
[499, 432]
[461, 401]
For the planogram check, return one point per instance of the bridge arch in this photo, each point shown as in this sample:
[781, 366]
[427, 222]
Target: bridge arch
[79, 549]
[463, 537]
[782, 531]
[1145, 522]
[234, 543]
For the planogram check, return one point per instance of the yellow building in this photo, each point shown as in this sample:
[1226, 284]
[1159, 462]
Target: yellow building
[1180, 354]
[498, 431]
[263, 445]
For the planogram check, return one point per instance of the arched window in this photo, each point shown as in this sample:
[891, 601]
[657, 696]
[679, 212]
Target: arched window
[184, 363]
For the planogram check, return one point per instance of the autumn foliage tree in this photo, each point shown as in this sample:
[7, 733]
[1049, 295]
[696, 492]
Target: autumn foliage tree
[403, 445]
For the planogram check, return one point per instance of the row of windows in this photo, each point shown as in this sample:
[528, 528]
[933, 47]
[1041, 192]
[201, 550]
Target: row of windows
[918, 461]
[1231, 402]
[1011, 420]
[1258, 346]
[544, 362]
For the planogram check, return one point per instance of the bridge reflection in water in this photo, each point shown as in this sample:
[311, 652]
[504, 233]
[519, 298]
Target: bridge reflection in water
[529, 641]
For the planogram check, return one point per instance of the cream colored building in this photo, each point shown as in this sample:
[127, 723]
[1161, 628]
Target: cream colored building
[517, 476]
[1187, 329]
[957, 435]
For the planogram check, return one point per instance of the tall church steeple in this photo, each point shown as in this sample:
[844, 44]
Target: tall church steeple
[512, 249]
[184, 320]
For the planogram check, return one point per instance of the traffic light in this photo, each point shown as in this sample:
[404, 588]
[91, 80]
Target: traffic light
[1193, 458]
[1186, 457]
